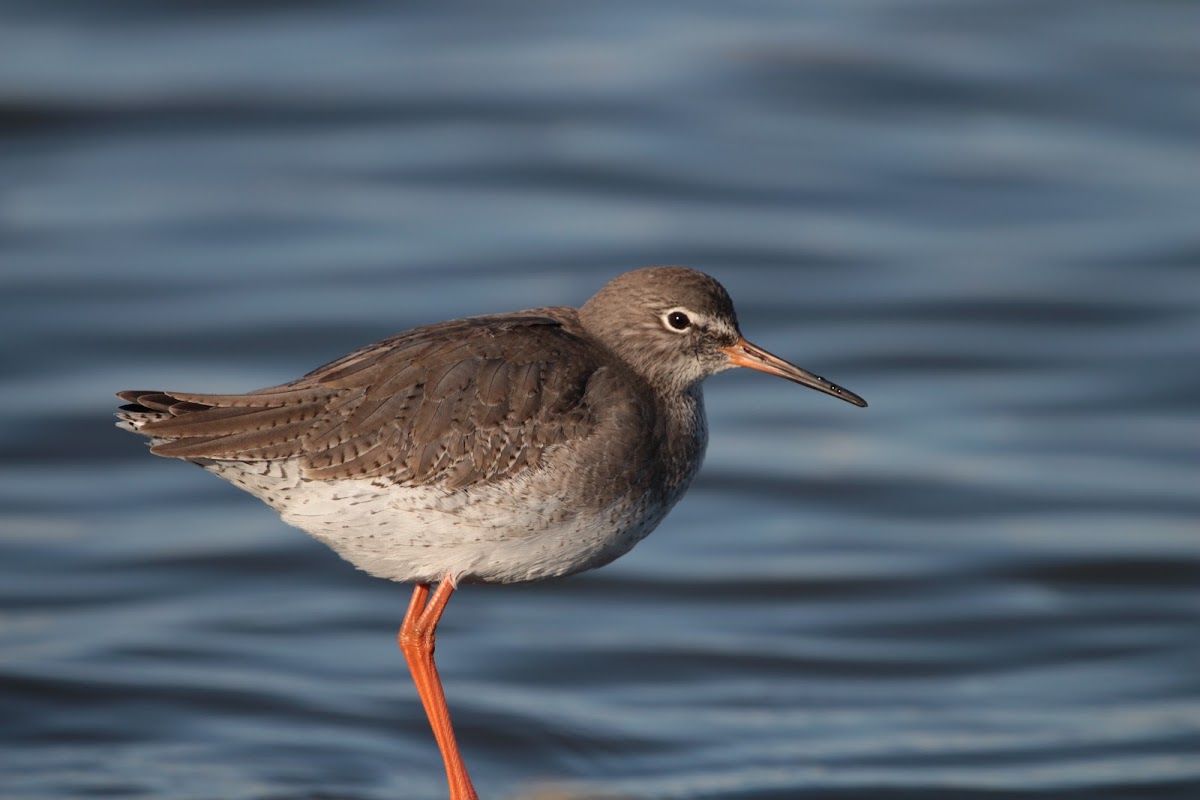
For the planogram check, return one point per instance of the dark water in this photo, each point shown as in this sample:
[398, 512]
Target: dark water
[981, 216]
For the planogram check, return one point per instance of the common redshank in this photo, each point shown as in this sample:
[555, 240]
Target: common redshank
[493, 449]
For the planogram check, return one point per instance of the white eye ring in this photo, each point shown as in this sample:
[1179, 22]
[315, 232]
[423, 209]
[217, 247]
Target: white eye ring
[677, 320]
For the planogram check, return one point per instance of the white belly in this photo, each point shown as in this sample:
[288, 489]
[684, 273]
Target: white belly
[490, 534]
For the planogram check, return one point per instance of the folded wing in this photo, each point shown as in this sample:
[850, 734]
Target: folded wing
[454, 404]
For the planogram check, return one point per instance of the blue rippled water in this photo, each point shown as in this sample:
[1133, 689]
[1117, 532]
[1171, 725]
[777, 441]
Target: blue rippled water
[980, 216]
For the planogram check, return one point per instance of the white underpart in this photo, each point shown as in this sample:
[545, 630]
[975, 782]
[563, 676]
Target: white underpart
[423, 534]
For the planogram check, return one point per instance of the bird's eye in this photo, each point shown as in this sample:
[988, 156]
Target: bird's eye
[679, 320]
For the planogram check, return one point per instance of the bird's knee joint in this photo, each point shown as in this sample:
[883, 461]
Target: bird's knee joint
[417, 639]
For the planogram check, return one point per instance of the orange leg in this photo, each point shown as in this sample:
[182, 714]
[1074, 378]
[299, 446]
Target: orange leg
[417, 643]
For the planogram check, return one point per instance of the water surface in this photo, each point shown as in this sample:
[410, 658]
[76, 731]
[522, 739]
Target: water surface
[981, 217]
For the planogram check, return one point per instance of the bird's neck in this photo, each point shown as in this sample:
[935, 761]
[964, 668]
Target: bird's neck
[684, 436]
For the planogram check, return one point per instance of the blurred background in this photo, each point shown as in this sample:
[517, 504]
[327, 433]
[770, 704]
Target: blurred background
[980, 216]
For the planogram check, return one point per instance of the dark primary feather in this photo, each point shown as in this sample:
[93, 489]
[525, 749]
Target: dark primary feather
[453, 404]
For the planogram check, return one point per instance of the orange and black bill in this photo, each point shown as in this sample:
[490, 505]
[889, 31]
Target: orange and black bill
[744, 354]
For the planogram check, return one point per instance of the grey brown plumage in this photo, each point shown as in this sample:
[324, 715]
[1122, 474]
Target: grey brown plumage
[453, 404]
[498, 448]
[504, 448]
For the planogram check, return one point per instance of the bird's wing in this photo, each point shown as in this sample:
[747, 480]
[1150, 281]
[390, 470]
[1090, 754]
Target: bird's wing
[454, 404]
